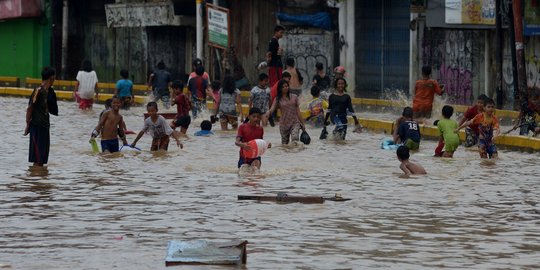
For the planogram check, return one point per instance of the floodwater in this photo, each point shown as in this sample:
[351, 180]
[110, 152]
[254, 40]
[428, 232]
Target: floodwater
[118, 212]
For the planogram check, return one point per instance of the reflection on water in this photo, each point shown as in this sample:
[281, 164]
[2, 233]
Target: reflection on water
[118, 211]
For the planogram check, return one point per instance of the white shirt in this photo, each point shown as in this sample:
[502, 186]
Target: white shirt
[87, 84]
[158, 129]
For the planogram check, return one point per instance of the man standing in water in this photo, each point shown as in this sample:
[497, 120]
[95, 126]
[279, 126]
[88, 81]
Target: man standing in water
[273, 56]
[160, 80]
[41, 103]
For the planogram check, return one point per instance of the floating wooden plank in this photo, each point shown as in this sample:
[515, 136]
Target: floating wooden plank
[293, 199]
[206, 252]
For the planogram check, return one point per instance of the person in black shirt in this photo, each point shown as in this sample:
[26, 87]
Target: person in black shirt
[339, 106]
[321, 79]
[160, 80]
[41, 103]
[273, 56]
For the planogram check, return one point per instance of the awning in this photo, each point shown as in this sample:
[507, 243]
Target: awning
[319, 19]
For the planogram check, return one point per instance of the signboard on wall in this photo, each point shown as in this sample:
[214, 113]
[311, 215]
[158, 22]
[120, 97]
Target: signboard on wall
[479, 12]
[144, 14]
[532, 18]
[218, 26]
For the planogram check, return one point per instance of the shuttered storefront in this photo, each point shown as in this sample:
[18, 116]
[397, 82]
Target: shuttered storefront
[382, 46]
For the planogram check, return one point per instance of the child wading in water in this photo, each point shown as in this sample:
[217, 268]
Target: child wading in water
[291, 118]
[339, 106]
[124, 90]
[488, 126]
[316, 108]
[111, 125]
[158, 128]
[229, 106]
[247, 132]
[260, 97]
[446, 127]
[206, 129]
[425, 90]
[406, 166]
[182, 107]
[408, 132]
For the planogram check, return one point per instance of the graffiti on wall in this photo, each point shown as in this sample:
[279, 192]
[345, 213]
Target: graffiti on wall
[453, 56]
[532, 61]
[307, 49]
[139, 14]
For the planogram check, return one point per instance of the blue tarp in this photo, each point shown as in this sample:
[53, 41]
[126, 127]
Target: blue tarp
[319, 19]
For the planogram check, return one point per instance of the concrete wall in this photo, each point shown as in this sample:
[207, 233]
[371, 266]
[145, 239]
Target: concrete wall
[110, 49]
[457, 59]
[347, 41]
[307, 47]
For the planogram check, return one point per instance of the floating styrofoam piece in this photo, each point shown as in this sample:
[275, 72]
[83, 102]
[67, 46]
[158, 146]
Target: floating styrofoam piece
[204, 252]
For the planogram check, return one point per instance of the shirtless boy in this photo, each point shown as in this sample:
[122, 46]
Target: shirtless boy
[406, 166]
[111, 125]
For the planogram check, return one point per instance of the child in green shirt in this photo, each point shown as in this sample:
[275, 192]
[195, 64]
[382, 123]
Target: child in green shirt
[446, 128]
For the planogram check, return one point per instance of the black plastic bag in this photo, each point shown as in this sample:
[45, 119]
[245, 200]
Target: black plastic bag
[304, 137]
[324, 134]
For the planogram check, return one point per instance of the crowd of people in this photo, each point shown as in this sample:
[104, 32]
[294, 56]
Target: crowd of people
[278, 88]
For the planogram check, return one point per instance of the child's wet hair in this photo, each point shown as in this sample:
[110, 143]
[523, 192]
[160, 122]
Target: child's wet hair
[319, 66]
[262, 77]
[426, 70]
[206, 125]
[315, 91]
[152, 104]
[279, 28]
[289, 62]
[47, 72]
[286, 75]
[124, 73]
[403, 152]
[482, 97]
[199, 70]
[177, 84]
[215, 84]
[447, 111]
[254, 111]
[489, 101]
[108, 103]
[407, 112]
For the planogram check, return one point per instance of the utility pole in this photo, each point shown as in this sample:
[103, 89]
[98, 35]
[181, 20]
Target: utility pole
[65, 32]
[515, 83]
[199, 24]
[499, 54]
[520, 55]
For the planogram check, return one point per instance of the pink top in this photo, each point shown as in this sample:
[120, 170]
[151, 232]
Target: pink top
[289, 112]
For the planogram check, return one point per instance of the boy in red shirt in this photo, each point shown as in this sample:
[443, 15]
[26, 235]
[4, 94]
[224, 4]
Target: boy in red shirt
[424, 92]
[488, 126]
[247, 132]
[181, 101]
[471, 132]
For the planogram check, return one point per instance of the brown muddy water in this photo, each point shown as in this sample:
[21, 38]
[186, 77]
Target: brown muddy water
[118, 212]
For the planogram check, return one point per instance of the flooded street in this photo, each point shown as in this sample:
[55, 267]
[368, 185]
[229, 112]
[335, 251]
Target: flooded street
[118, 212]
